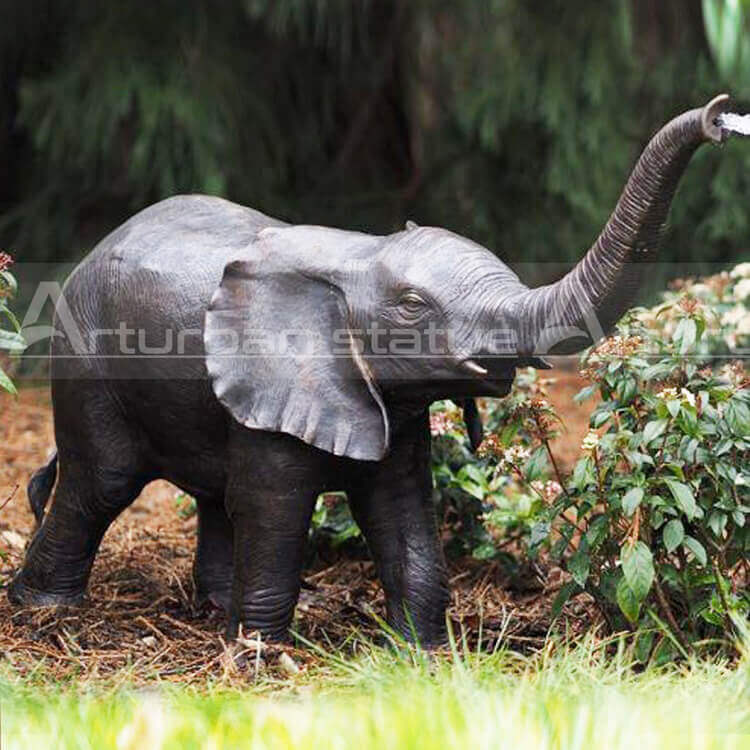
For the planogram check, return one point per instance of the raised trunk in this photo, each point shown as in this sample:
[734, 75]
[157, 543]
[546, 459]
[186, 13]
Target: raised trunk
[580, 308]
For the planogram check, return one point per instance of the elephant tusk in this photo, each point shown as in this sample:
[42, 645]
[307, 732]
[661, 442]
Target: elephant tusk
[472, 367]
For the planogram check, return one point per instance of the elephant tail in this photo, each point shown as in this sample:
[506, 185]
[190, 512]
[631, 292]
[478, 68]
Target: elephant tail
[40, 487]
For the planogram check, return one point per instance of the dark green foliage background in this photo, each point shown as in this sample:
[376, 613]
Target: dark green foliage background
[512, 122]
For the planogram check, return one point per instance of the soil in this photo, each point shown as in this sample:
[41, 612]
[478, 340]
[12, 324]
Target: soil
[139, 623]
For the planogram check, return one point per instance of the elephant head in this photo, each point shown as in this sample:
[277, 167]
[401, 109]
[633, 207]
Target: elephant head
[321, 333]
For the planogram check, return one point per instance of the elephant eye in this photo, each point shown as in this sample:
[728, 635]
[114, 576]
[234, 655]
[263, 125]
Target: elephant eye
[412, 303]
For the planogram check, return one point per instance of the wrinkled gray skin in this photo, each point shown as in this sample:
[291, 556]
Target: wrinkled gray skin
[256, 439]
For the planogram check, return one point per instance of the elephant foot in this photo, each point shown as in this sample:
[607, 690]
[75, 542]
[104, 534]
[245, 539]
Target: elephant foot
[25, 596]
[267, 612]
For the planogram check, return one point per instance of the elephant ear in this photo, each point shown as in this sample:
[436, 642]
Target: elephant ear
[281, 357]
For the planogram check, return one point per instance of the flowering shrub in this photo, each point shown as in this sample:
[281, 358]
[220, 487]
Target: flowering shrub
[654, 522]
[660, 497]
[11, 340]
[725, 302]
[487, 503]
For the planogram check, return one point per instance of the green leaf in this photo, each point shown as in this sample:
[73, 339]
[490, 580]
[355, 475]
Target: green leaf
[673, 534]
[643, 645]
[12, 342]
[563, 595]
[537, 465]
[673, 407]
[676, 469]
[657, 519]
[474, 473]
[683, 496]
[653, 430]
[689, 421]
[658, 371]
[638, 459]
[578, 566]
[669, 574]
[638, 567]
[351, 531]
[485, 551]
[632, 500]
[6, 383]
[582, 473]
[685, 333]
[599, 418]
[626, 390]
[539, 533]
[737, 416]
[509, 432]
[472, 489]
[722, 447]
[597, 531]
[585, 393]
[717, 522]
[627, 601]
[694, 546]
[12, 318]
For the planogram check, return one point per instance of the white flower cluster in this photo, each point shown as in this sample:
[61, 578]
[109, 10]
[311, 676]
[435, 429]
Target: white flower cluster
[549, 490]
[513, 456]
[737, 317]
[590, 442]
[667, 394]
[742, 290]
[734, 372]
[672, 394]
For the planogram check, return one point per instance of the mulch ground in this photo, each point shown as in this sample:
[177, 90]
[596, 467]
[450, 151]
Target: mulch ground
[139, 623]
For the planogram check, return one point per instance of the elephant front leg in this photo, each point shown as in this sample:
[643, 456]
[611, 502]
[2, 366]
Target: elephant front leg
[393, 506]
[270, 503]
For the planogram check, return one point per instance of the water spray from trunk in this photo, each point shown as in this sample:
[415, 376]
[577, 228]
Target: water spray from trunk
[738, 124]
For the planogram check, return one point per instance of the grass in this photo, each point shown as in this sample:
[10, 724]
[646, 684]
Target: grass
[581, 697]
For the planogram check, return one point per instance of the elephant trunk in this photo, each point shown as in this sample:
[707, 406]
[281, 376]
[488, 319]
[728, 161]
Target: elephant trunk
[569, 315]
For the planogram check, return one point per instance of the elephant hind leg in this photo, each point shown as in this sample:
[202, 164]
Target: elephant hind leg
[213, 565]
[59, 559]
[102, 469]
